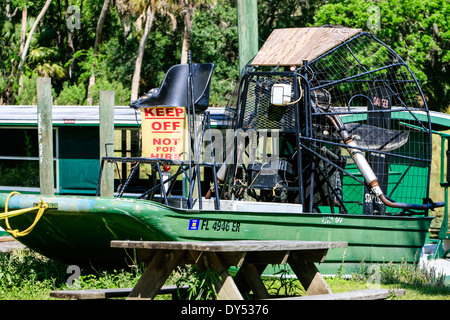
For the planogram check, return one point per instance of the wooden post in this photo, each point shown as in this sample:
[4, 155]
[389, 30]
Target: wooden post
[247, 12]
[106, 117]
[45, 136]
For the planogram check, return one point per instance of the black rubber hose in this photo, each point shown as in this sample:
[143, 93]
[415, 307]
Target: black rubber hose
[410, 206]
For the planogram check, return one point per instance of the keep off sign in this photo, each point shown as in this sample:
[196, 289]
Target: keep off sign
[162, 132]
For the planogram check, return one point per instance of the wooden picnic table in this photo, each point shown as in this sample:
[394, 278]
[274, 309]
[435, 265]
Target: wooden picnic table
[251, 256]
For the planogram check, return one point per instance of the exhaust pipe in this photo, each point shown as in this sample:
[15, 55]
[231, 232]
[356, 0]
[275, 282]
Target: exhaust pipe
[369, 176]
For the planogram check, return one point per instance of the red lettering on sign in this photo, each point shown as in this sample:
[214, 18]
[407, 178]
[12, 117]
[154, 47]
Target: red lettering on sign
[165, 156]
[149, 112]
[165, 141]
[166, 126]
[156, 126]
[163, 112]
[160, 124]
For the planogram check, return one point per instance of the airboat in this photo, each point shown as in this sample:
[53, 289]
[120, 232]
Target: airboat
[329, 139]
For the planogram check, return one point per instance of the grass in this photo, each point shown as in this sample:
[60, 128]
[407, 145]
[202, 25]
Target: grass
[419, 283]
[26, 275]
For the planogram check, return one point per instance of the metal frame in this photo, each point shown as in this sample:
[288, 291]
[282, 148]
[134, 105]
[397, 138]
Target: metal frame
[304, 126]
[183, 168]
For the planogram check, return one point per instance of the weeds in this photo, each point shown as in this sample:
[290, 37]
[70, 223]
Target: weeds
[201, 283]
[27, 275]
[20, 265]
[108, 279]
[403, 273]
[283, 284]
[25, 272]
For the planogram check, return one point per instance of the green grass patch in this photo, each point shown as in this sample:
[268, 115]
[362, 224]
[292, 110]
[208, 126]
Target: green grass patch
[26, 275]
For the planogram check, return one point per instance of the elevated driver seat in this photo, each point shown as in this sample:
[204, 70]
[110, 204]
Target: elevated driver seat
[174, 88]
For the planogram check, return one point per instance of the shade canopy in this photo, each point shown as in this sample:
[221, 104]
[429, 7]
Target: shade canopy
[290, 46]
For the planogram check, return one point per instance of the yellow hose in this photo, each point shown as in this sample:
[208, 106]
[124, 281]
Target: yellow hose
[16, 233]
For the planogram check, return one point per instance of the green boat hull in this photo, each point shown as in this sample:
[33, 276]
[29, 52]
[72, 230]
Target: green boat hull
[78, 230]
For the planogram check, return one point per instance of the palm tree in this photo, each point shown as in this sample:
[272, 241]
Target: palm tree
[149, 11]
[123, 11]
[189, 7]
[71, 34]
[149, 18]
[41, 61]
[165, 7]
[98, 39]
[27, 43]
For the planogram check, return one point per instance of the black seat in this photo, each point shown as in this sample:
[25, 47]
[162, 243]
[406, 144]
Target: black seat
[174, 88]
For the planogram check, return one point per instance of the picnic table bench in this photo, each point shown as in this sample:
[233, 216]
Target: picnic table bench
[92, 294]
[252, 257]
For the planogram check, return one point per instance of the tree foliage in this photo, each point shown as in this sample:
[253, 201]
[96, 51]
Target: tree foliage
[418, 31]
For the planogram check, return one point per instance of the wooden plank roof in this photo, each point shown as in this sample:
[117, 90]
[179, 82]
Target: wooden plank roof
[290, 46]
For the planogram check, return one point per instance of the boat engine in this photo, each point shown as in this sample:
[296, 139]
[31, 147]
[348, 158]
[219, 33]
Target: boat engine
[272, 180]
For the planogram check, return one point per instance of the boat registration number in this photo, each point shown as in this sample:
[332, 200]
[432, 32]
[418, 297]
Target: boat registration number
[332, 220]
[215, 225]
